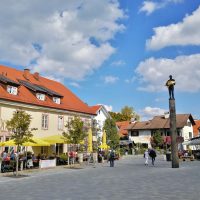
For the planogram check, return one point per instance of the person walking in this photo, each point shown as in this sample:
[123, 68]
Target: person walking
[112, 158]
[146, 156]
[152, 154]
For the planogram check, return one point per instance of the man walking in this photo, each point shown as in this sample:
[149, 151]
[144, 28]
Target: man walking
[112, 158]
[152, 154]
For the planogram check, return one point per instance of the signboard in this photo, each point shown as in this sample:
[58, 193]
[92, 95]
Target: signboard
[47, 163]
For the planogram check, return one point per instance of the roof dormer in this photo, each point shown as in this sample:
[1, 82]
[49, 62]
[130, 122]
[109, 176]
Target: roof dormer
[40, 96]
[12, 89]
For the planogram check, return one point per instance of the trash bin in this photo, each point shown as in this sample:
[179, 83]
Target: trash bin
[168, 156]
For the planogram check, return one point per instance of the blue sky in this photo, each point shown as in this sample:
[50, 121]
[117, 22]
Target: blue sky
[109, 52]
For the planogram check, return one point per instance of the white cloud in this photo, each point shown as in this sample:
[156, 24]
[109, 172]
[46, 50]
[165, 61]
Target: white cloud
[153, 73]
[183, 33]
[74, 84]
[150, 6]
[68, 38]
[149, 112]
[118, 63]
[110, 79]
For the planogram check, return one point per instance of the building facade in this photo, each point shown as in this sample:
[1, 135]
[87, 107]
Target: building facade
[50, 104]
[141, 132]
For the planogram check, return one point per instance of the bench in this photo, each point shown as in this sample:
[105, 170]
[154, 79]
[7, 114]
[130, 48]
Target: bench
[184, 158]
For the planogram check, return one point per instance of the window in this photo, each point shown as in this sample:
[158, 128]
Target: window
[190, 135]
[134, 133]
[56, 100]
[40, 96]
[45, 121]
[60, 122]
[12, 90]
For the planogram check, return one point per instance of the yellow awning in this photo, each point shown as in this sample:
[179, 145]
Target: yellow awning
[36, 142]
[53, 139]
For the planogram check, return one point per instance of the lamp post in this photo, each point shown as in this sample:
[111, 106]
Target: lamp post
[174, 146]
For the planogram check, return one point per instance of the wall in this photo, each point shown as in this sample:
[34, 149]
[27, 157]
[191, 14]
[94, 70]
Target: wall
[7, 109]
[144, 137]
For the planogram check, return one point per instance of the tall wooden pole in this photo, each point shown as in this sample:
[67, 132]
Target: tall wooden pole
[174, 145]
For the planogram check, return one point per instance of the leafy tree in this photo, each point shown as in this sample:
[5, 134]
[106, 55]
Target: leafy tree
[125, 115]
[19, 126]
[128, 113]
[157, 139]
[111, 133]
[76, 131]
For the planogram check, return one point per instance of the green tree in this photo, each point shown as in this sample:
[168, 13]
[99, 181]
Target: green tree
[76, 131]
[126, 114]
[157, 139]
[111, 133]
[20, 133]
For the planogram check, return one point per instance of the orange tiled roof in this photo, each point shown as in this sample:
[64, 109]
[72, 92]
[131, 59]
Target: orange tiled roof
[123, 128]
[196, 128]
[160, 122]
[69, 101]
[95, 108]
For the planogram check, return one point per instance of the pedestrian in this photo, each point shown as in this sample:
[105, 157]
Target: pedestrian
[152, 154]
[112, 158]
[146, 156]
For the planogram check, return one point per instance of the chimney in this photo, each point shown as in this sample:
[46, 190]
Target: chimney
[36, 75]
[26, 73]
[166, 115]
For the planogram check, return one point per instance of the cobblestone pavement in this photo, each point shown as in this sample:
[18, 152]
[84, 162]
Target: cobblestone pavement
[129, 179]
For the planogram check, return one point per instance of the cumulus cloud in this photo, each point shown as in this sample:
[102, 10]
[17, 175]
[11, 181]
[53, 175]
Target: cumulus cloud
[110, 79]
[150, 6]
[68, 38]
[149, 112]
[153, 73]
[183, 33]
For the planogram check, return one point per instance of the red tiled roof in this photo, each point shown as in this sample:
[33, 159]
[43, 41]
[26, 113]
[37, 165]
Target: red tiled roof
[196, 128]
[69, 101]
[160, 122]
[95, 109]
[123, 127]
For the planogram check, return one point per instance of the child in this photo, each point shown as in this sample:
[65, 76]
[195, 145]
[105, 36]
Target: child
[146, 156]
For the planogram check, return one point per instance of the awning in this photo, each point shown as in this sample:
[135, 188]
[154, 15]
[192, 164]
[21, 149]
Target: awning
[53, 139]
[36, 142]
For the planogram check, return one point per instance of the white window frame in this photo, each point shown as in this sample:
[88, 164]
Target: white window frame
[56, 100]
[60, 122]
[40, 96]
[45, 121]
[12, 90]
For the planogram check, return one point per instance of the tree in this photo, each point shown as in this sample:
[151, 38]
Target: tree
[111, 133]
[129, 113]
[76, 131]
[126, 114]
[19, 126]
[157, 139]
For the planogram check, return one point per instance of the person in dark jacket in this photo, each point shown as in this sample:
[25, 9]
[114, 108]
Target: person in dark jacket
[112, 158]
[152, 154]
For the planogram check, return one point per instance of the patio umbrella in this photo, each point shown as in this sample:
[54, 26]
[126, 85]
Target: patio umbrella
[104, 137]
[104, 143]
[90, 149]
[53, 139]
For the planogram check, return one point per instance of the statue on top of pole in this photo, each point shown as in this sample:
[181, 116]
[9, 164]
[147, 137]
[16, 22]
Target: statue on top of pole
[170, 84]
